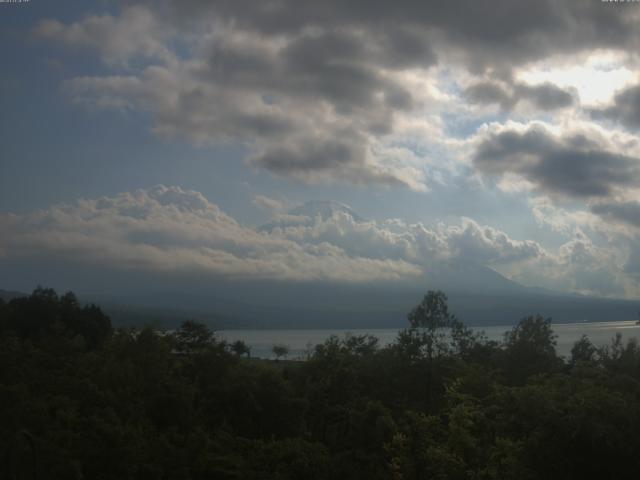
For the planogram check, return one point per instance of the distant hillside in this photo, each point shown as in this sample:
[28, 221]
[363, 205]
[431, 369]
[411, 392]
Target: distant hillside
[7, 295]
[284, 305]
[141, 311]
[269, 305]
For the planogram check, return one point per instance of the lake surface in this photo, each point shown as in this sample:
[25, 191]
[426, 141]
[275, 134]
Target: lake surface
[300, 341]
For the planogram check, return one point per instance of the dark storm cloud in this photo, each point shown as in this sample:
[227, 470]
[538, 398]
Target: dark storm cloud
[315, 156]
[625, 108]
[545, 96]
[328, 68]
[489, 93]
[316, 159]
[338, 67]
[490, 32]
[624, 212]
[273, 74]
[573, 166]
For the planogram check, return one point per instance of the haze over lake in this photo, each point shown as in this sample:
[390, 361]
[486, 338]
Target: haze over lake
[300, 341]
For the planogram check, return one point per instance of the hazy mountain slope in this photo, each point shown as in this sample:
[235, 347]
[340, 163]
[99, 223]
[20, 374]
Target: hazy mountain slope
[265, 305]
[478, 295]
[7, 295]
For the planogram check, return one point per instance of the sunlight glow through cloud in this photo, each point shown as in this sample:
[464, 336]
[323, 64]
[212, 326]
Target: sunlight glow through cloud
[596, 80]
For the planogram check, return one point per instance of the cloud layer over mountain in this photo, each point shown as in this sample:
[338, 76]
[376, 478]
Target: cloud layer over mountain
[178, 232]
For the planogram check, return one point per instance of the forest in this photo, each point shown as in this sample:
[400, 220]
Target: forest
[80, 399]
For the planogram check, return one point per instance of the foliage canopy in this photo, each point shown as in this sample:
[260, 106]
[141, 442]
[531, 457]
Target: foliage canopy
[81, 400]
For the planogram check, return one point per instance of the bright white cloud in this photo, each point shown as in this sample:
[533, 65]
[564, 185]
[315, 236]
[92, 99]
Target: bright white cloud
[596, 78]
[175, 231]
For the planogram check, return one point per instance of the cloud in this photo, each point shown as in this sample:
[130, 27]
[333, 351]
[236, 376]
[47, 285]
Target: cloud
[626, 212]
[569, 164]
[173, 231]
[362, 93]
[267, 203]
[514, 32]
[312, 107]
[588, 269]
[625, 108]
[415, 243]
[324, 92]
[347, 157]
[579, 266]
[632, 265]
[566, 222]
[136, 33]
[545, 96]
[487, 245]
[490, 93]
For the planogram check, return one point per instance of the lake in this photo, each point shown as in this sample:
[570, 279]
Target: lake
[300, 341]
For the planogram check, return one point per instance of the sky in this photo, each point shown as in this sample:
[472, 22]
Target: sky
[184, 139]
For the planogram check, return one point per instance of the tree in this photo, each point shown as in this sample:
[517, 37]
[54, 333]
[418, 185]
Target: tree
[530, 348]
[583, 351]
[431, 313]
[308, 351]
[360, 345]
[429, 321]
[280, 350]
[193, 336]
[43, 312]
[131, 408]
[240, 348]
[427, 339]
